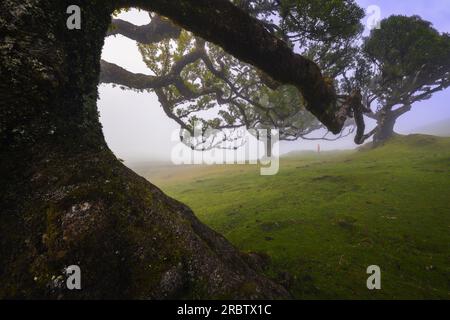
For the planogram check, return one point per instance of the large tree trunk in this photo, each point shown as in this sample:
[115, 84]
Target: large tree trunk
[66, 200]
[385, 127]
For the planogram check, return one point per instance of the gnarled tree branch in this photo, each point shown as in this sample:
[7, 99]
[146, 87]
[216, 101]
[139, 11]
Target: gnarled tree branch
[247, 39]
[158, 29]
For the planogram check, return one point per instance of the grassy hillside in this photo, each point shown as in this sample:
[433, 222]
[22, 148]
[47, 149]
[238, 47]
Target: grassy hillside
[325, 218]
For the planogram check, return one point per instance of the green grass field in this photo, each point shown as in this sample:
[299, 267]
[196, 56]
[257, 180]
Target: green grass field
[325, 218]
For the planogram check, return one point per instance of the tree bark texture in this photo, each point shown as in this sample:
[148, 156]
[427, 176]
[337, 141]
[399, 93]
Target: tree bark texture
[66, 200]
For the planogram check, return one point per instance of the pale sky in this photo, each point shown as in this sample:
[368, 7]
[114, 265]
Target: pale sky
[137, 129]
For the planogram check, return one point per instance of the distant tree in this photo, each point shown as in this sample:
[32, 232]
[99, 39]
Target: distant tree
[406, 61]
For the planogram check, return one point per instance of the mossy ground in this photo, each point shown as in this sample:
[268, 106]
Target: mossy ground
[325, 218]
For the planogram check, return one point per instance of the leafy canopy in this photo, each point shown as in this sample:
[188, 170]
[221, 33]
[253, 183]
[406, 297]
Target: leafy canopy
[411, 60]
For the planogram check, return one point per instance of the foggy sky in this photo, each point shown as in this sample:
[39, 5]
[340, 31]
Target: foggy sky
[137, 129]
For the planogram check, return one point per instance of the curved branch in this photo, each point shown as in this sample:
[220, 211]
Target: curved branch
[112, 73]
[157, 30]
[247, 39]
[167, 107]
[368, 135]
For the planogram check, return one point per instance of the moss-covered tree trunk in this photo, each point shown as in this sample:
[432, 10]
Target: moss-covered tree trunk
[66, 200]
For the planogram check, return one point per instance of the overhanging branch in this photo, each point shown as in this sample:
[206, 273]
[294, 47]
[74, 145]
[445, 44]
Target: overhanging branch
[157, 30]
[112, 73]
[247, 39]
